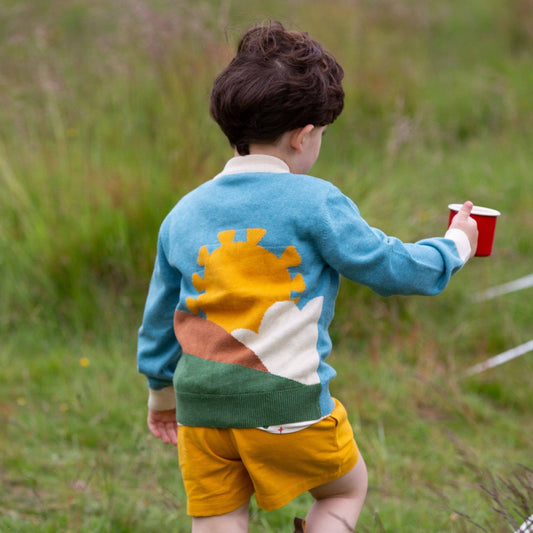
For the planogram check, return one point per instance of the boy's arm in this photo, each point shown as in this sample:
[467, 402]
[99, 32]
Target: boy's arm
[158, 350]
[385, 264]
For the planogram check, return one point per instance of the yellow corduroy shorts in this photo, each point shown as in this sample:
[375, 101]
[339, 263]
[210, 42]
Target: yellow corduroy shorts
[223, 468]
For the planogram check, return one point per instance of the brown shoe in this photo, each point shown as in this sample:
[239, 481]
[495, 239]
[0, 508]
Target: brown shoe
[299, 525]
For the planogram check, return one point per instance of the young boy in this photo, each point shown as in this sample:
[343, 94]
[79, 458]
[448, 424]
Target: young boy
[234, 338]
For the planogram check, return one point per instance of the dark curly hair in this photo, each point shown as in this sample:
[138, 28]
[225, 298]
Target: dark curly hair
[278, 81]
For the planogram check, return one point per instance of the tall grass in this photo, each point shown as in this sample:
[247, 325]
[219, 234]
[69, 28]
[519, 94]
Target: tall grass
[103, 126]
[104, 122]
[96, 126]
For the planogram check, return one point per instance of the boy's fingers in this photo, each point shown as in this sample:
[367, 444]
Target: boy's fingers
[173, 436]
[165, 431]
[169, 434]
[155, 431]
[465, 210]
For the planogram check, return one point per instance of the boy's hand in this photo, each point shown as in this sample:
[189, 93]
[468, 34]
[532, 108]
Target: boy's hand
[464, 222]
[163, 425]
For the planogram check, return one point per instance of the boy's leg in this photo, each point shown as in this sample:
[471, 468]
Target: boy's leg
[234, 522]
[338, 503]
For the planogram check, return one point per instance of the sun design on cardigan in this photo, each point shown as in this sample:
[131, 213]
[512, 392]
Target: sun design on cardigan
[252, 318]
[242, 280]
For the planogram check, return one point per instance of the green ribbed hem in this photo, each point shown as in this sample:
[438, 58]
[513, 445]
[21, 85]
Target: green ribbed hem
[248, 410]
[216, 401]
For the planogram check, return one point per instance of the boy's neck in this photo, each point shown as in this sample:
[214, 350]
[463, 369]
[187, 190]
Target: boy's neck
[261, 149]
[282, 149]
[268, 149]
[297, 148]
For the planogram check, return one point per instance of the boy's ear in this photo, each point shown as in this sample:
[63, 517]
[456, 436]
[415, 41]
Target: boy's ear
[298, 136]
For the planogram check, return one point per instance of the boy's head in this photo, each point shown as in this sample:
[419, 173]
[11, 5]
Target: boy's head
[278, 81]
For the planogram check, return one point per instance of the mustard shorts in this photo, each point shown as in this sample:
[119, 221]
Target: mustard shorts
[223, 468]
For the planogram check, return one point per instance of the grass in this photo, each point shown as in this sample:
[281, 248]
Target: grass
[104, 125]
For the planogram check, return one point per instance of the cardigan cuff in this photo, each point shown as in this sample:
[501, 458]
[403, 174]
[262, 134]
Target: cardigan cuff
[461, 242]
[162, 400]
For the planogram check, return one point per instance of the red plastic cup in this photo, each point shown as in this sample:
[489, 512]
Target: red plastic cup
[486, 224]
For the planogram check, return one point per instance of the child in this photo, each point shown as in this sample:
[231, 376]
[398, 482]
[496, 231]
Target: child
[234, 338]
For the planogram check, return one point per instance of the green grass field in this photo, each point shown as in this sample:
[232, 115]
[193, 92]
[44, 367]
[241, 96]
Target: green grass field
[104, 125]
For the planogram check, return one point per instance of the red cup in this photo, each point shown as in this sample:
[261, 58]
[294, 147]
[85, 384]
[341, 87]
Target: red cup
[486, 224]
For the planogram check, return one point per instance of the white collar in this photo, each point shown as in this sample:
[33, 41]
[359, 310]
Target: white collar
[254, 163]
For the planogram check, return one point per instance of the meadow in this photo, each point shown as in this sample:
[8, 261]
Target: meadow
[104, 125]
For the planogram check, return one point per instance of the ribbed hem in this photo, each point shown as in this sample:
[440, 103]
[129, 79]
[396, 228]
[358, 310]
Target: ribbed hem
[161, 400]
[461, 241]
[246, 410]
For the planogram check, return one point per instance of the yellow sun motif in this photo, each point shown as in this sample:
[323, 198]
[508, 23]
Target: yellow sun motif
[242, 280]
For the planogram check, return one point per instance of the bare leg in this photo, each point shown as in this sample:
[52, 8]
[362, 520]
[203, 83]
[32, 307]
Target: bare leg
[339, 503]
[234, 522]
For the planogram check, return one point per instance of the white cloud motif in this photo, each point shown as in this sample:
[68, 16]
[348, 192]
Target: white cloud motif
[287, 339]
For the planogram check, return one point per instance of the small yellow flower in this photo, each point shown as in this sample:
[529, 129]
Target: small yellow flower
[63, 407]
[21, 401]
[84, 362]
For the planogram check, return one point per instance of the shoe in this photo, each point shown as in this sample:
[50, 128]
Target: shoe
[299, 525]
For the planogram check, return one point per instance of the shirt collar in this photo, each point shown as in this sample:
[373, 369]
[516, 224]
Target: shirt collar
[254, 163]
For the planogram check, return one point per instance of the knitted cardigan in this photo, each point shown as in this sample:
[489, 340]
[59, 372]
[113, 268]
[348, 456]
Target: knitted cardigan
[243, 292]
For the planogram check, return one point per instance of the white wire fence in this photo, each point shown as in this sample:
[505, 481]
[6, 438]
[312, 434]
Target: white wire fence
[517, 351]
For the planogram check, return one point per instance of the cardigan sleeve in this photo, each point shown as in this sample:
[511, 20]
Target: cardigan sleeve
[158, 350]
[387, 265]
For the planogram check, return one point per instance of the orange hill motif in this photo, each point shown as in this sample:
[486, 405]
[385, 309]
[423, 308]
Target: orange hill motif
[205, 339]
